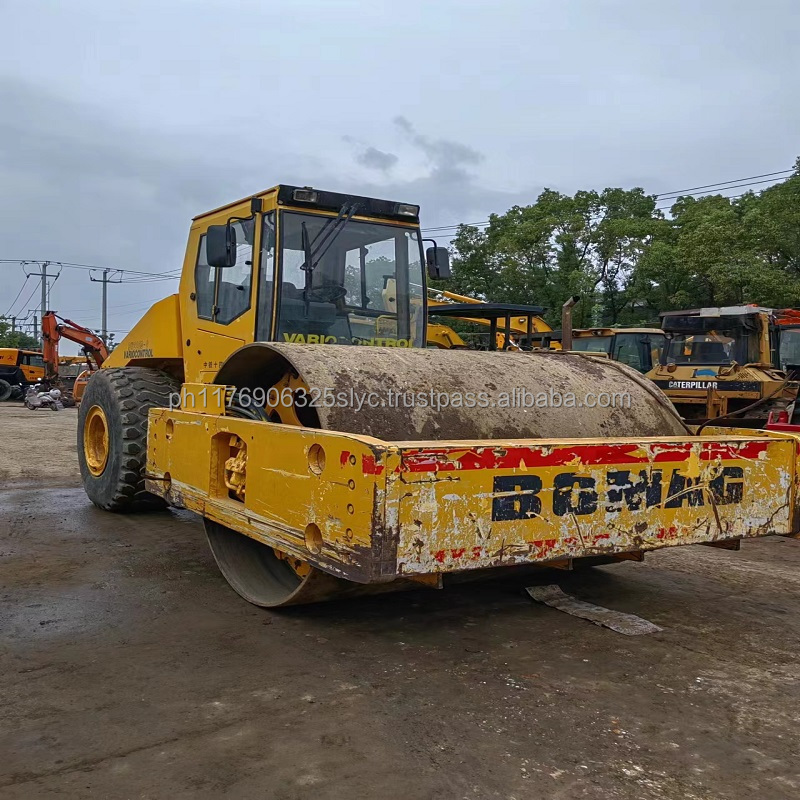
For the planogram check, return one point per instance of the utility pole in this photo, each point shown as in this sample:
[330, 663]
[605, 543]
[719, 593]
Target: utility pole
[105, 280]
[45, 264]
[35, 327]
[13, 325]
[43, 276]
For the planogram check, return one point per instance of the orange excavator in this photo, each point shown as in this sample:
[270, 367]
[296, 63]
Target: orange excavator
[55, 328]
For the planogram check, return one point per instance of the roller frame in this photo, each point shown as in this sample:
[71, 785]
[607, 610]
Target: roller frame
[392, 510]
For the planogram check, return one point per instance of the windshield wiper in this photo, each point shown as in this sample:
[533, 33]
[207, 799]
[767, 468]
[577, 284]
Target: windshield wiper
[326, 237]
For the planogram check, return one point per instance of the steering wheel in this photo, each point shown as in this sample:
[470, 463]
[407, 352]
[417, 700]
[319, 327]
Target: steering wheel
[326, 294]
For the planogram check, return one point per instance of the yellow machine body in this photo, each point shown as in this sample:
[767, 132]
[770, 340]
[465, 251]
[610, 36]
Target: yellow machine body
[373, 511]
[639, 348]
[444, 336]
[29, 363]
[321, 501]
[723, 361]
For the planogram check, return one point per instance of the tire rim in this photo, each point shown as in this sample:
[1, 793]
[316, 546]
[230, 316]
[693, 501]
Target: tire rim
[95, 440]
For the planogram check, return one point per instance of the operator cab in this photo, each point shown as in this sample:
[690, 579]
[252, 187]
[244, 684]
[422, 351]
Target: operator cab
[713, 336]
[639, 348]
[326, 268]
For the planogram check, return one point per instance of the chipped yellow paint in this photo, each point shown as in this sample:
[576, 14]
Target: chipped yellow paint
[421, 508]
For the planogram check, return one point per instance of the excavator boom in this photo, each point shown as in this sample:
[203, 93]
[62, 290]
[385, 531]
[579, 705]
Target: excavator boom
[55, 328]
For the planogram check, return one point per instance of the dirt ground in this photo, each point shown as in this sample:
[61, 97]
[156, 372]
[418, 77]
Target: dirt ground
[129, 669]
[38, 446]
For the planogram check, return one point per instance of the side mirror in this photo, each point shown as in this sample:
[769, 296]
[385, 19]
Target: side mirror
[438, 262]
[221, 246]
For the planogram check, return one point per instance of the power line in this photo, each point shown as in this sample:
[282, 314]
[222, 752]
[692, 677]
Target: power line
[29, 298]
[663, 195]
[8, 313]
[72, 265]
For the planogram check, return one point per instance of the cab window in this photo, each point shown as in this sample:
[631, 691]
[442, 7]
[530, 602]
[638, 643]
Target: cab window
[628, 349]
[204, 278]
[789, 348]
[222, 295]
[592, 344]
[34, 360]
[363, 284]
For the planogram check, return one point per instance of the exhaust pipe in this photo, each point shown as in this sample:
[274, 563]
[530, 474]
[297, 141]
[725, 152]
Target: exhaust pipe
[566, 322]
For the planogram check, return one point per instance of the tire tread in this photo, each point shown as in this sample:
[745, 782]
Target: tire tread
[135, 391]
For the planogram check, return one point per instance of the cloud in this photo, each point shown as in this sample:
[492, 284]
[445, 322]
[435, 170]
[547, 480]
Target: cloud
[376, 159]
[447, 185]
[444, 154]
[82, 185]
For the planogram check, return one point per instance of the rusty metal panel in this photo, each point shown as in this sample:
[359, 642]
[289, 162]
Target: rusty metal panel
[460, 508]
[371, 511]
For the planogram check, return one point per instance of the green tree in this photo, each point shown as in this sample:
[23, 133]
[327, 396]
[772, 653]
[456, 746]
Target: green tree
[587, 244]
[628, 261]
[15, 339]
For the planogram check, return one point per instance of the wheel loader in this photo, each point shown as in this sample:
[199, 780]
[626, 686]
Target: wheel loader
[639, 348]
[285, 398]
[487, 326]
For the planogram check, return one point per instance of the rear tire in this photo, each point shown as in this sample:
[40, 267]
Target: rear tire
[6, 390]
[112, 435]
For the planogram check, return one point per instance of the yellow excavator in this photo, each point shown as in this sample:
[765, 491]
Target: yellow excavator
[19, 369]
[283, 398]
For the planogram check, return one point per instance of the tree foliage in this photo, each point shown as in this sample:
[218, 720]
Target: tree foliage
[17, 338]
[628, 260]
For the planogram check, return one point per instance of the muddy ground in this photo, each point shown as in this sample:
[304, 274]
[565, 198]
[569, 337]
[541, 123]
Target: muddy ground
[129, 669]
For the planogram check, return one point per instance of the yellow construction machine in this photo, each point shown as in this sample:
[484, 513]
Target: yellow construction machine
[510, 326]
[736, 365]
[284, 397]
[639, 348]
[18, 370]
[513, 326]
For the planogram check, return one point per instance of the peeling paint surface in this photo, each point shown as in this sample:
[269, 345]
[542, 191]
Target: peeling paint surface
[480, 507]
[389, 509]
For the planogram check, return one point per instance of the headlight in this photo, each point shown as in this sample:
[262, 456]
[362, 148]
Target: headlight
[306, 195]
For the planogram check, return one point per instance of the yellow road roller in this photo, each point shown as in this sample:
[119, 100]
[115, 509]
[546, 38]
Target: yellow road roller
[286, 395]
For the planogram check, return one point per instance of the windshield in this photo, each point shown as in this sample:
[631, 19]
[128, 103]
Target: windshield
[638, 350]
[365, 286]
[714, 347]
[592, 344]
[789, 348]
[711, 340]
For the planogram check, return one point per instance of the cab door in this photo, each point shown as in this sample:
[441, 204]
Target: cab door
[32, 366]
[220, 305]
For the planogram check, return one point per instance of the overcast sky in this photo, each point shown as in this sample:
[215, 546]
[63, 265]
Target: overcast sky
[119, 122]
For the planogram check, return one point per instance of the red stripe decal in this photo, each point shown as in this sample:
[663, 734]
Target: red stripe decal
[497, 458]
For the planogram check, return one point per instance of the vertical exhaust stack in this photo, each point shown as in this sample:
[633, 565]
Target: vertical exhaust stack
[566, 322]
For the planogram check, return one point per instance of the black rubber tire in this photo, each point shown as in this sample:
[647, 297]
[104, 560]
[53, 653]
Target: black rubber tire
[17, 393]
[125, 394]
[5, 390]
